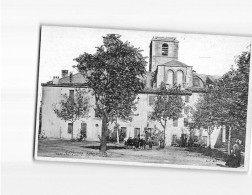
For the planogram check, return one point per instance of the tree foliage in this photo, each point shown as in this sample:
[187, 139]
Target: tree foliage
[225, 101]
[206, 113]
[114, 76]
[167, 106]
[73, 108]
[233, 93]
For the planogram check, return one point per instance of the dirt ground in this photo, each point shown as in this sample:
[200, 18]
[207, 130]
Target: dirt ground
[85, 150]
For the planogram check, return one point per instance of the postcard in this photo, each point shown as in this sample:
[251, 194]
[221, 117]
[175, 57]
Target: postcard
[144, 98]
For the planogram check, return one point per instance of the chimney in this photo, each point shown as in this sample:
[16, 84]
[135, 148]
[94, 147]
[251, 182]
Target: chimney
[55, 80]
[64, 73]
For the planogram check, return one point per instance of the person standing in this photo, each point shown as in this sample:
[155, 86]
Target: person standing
[237, 153]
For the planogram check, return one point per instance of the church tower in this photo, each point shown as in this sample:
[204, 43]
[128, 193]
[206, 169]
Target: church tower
[162, 50]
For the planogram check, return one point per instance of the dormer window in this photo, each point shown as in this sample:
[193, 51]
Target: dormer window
[196, 82]
[165, 49]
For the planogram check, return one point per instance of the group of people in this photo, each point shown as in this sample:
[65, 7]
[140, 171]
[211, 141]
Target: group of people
[138, 142]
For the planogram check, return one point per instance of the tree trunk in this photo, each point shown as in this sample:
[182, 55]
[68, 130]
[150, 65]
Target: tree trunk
[164, 138]
[209, 137]
[117, 132]
[229, 140]
[72, 130]
[117, 135]
[104, 135]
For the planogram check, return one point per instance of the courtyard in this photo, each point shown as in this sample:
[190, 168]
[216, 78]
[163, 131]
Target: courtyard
[118, 152]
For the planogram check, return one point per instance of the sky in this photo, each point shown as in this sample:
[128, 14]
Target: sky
[208, 54]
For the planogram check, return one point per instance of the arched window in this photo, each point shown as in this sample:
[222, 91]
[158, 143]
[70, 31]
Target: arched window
[165, 49]
[170, 77]
[196, 82]
[180, 76]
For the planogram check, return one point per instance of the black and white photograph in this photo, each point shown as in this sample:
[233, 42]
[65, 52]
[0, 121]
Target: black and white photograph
[115, 97]
[143, 98]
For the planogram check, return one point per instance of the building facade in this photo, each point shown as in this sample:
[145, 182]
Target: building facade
[163, 67]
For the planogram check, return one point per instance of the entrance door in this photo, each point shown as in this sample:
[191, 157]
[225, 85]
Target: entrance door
[174, 139]
[84, 130]
[123, 133]
[136, 132]
[204, 138]
[70, 128]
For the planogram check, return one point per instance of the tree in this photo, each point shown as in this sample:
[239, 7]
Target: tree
[205, 114]
[190, 123]
[73, 107]
[233, 98]
[225, 102]
[153, 134]
[127, 116]
[241, 85]
[168, 105]
[113, 76]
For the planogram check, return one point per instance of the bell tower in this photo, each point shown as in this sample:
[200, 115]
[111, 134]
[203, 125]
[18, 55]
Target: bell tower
[162, 50]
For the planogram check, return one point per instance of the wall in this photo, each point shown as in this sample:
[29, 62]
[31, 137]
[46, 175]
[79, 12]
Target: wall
[158, 58]
[55, 127]
[187, 74]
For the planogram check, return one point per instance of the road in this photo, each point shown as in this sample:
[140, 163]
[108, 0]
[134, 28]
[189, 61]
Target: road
[169, 155]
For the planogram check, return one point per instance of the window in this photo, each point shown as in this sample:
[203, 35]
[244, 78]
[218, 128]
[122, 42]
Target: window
[84, 130]
[196, 82]
[186, 110]
[165, 49]
[71, 94]
[180, 76]
[175, 122]
[174, 140]
[187, 97]
[136, 132]
[170, 78]
[185, 122]
[151, 100]
[70, 128]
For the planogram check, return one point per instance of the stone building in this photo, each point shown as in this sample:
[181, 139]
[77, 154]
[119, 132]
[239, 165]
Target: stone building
[163, 67]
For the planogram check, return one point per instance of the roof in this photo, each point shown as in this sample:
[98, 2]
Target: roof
[71, 85]
[167, 39]
[76, 78]
[196, 89]
[174, 63]
[205, 76]
[156, 92]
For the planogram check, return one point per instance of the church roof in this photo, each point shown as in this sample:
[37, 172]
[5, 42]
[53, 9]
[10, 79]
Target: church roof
[174, 63]
[205, 76]
[166, 39]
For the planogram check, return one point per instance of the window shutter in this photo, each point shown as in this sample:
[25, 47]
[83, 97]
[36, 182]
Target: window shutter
[175, 123]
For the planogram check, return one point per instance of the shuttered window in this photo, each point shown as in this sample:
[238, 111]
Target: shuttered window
[70, 128]
[175, 122]
[186, 110]
[185, 122]
[151, 100]
[187, 98]
[71, 94]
